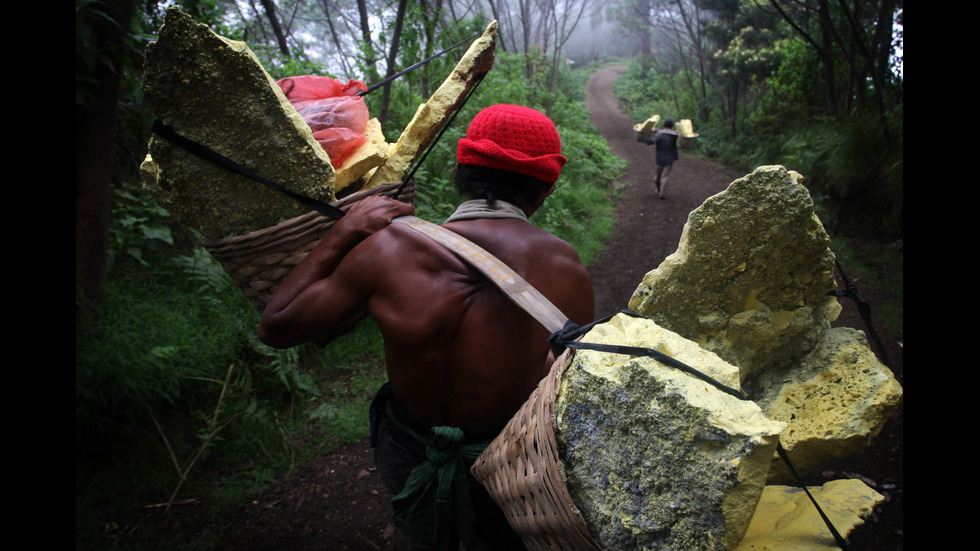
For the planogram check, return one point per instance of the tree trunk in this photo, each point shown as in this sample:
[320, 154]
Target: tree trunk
[827, 55]
[336, 38]
[270, 10]
[368, 48]
[95, 132]
[396, 35]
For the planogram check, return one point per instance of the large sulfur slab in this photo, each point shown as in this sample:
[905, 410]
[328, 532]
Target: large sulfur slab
[214, 91]
[655, 458]
[749, 281]
[750, 276]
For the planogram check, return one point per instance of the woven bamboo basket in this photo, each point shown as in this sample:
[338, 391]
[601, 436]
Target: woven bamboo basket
[687, 142]
[523, 473]
[258, 261]
[641, 135]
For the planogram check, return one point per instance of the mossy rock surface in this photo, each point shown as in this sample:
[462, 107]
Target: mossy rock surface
[215, 92]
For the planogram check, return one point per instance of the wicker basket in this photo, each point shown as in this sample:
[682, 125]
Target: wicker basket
[687, 142]
[258, 261]
[522, 472]
[642, 135]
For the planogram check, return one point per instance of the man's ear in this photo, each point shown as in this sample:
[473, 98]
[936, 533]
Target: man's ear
[544, 196]
[537, 203]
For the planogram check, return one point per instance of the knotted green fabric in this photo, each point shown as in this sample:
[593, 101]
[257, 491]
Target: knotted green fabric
[436, 497]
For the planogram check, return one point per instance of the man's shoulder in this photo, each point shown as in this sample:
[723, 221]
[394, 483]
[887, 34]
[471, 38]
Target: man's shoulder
[519, 244]
[392, 249]
[510, 237]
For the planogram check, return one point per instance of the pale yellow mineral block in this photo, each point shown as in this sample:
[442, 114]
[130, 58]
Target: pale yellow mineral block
[835, 402]
[685, 128]
[371, 154]
[786, 520]
[649, 124]
[214, 91]
[750, 276]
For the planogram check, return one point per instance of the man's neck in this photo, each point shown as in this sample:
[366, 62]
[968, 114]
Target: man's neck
[480, 208]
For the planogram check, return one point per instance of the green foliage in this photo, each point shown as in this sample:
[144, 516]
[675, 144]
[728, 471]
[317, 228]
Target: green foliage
[644, 92]
[138, 224]
[279, 66]
[353, 371]
[766, 108]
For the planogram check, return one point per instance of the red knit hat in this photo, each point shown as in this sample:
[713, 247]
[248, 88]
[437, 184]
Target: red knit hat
[515, 138]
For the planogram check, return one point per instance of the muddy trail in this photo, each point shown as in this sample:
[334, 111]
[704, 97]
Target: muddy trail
[338, 502]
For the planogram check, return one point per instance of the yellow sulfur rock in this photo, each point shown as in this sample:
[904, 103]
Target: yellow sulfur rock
[655, 458]
[749, 281]
[786, 520]
[685, 128]
[644, 128]
[370, 155]
[648, 124]
[835, 402]
[215, 92]
[429, 117]
[750, 276]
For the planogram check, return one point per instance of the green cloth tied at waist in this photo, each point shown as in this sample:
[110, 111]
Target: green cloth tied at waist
[436, 497]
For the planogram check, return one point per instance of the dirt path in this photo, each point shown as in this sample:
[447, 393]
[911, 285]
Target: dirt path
[338, 502]
[647, 228]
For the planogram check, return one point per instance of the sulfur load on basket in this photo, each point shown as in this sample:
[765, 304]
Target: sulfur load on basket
[687, 136]
[214, 91]
[643, 130]
[432, 115]
[655, 458]
[617, 452]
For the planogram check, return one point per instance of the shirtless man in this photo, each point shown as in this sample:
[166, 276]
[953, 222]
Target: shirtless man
[459, 354]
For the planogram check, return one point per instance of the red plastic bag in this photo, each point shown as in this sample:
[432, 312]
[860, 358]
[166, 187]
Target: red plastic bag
[334, 112]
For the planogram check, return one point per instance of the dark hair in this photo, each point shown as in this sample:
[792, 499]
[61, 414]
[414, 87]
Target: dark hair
[669, 123]
[481, 182]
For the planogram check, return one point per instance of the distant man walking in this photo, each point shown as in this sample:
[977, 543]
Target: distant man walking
[666, 142]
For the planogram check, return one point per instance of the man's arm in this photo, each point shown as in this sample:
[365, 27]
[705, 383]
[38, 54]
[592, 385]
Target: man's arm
[311, 300]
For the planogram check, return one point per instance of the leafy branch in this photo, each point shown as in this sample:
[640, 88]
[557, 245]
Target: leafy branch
[214, 429]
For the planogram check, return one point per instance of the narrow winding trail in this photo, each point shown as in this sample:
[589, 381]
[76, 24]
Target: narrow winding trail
[646, 229]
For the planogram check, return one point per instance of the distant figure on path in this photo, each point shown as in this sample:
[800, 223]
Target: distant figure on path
[666, 141]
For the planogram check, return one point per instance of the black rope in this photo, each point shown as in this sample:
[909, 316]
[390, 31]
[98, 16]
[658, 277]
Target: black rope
[374, 87]
[864, 309]
[565, 338]
[214, 157]
[837, 537]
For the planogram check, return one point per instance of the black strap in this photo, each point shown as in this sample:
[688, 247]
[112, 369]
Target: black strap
[374, 87]
[837, 537]
[213, 156]
[566, 338]
[864, 309]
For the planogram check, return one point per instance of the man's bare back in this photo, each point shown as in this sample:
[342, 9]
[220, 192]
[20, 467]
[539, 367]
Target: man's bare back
[459, 353]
